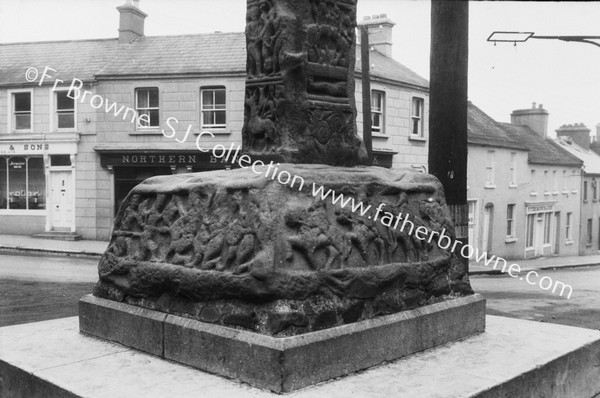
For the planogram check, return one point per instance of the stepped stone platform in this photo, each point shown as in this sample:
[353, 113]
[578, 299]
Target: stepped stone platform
[513, 358]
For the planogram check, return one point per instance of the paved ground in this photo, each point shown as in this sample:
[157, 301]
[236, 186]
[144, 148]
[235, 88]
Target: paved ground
[515, 298]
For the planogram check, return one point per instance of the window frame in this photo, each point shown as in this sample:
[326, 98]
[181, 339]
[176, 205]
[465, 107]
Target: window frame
[10, 109]
[149, 108]
[568, 231]
[421, 117]
[382, 112]
[589, 232]
[513, 170]
[490, 169]
[55, 113]
[205, 126]
[510, 220]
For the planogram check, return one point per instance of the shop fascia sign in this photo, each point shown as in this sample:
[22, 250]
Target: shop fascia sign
[36, 148]
[540, 208]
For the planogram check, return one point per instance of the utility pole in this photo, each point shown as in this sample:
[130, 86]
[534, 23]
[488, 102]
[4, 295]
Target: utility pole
[366, 91]
[448, 107]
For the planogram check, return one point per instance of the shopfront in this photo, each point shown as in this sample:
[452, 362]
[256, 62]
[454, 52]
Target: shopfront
[128, 168]
[37, 185]
[541, 232]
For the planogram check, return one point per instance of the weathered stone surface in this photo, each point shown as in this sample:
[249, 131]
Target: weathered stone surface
[299, 104]
[237, 248]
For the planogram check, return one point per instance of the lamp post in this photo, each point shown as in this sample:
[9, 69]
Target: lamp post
[514, 37]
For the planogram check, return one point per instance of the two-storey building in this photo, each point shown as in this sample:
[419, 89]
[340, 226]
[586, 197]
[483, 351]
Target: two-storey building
[104, 115]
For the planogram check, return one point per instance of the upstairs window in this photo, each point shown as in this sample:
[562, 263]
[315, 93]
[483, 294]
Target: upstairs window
[22, 111]
[489, 169]
[513, 169]
[65, 111]
[417, 117]
[213, 107]
[585, 187]
[146, 103]
[377, 111]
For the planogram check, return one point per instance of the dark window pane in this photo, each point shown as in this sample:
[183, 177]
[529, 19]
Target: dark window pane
[416, 125]
[17, 191]
[37, 183]
[22, 102]
[207, 99]
[154, 118]
[142, 99]
[63, 102]
[66, 121]
[153, 94]
[220, 117]
[23, 122]
[220, 97]
[59, 160]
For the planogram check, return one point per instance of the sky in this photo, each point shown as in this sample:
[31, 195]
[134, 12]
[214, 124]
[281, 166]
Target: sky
[561, 76]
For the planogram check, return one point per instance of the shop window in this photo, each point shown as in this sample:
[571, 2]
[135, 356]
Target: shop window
[146, 105]
[510, 221]
[22, 183]
[213, 106]
[547, 227]
[377, 111]
[417, 126]
[588, 239]
[568, 236]
[65, 111]
[22, 111]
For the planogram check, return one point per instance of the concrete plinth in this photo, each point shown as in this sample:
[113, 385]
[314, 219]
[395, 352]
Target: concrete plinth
[287, 363]
[513, 358]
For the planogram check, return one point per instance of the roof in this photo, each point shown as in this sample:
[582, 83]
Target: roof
[79, 59]
[483, 130]
[591, 160]
[387, 68]
[542, 150]
[210, 53]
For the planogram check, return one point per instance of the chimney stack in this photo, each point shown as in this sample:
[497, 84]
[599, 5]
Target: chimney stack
[578, 132]
[379, 28]
[131, 21]
[535, 118]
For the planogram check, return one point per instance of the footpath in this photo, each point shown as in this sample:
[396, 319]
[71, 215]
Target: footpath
[18, 244]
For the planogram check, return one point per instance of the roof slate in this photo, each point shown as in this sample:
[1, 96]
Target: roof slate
[483, 130]
[211, 53]
[591, 160]
[542, 151]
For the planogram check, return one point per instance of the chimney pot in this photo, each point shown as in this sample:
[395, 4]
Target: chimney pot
[379, 30]
[533, 105]
[131, 21]
[541, 106]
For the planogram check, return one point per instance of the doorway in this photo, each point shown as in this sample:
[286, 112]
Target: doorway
[61, 200]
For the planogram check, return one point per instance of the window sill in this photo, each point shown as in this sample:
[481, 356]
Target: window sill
[546, 193]
[510, 240]
[22, 212]
[214, 132]
[153, 131]
[512, 186]
[574, 192]
[568, 242]
[416, 138]
[379, 135]
[565, 192]
[585, 201]
[489, 186]
[533, 194]
[555, 193]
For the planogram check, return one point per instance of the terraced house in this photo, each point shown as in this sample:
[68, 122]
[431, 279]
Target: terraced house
[524, 200]
[109, 113]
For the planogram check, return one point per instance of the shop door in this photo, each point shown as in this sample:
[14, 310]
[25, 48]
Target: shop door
[61, 206]
[539, 234]
[472, 223]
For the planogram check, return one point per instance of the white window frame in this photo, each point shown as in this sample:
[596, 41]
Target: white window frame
[489, 169]
[205, 126]
[420, 118]
[380, 129]
[568, 231]
[513, 170]
[10, 111]
[149, 108]
[54, 111]
[510, 221]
